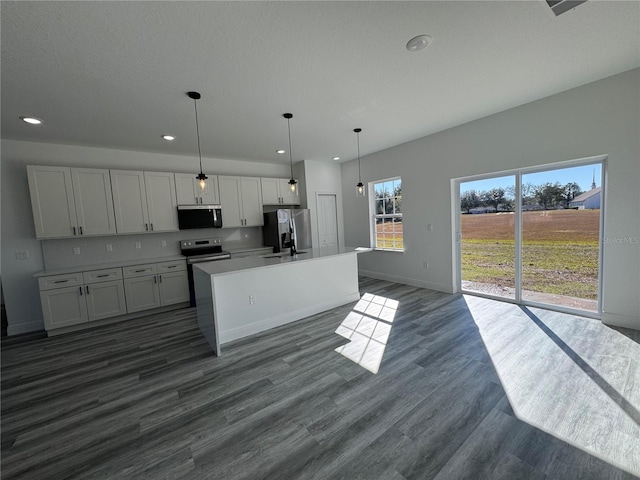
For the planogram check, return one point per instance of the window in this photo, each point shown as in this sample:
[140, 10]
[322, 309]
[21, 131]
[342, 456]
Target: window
[386, 208]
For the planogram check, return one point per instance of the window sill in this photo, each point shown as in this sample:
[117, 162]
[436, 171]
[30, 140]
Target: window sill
[387, 250]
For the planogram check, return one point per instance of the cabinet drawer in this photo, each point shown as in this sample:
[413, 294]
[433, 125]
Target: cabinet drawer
[96, 276]
[166, 267]
[60, 281]
[139, 270]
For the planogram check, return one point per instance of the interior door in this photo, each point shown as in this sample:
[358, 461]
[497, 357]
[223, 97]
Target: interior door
[327, 220]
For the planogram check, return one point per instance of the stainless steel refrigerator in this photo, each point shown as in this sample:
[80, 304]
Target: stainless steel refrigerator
[285, 225]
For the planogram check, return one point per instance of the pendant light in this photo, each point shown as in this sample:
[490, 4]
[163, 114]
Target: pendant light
[201, 177]
[292, 183]
[360, 191]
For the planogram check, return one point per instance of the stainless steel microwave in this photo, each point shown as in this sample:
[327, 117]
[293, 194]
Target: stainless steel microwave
[199, 216]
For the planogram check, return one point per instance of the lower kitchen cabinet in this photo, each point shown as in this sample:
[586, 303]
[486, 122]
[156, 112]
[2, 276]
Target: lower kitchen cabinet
[82, 297]
[156, 285]
[78, 298]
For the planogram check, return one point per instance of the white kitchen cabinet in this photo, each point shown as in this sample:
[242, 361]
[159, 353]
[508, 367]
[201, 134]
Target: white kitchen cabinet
[188, 191]
[75, 298]
[161, 201]
[144, 201]
[277, 191]
[69, 202]
[241, 200]
[154, 285]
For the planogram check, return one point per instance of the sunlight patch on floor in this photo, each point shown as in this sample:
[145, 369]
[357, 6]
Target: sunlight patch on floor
[570, 376]
[368, 327]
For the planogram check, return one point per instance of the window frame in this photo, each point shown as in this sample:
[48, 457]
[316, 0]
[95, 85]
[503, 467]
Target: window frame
[373, 216]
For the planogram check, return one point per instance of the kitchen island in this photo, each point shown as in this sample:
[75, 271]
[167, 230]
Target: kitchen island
[240, 297]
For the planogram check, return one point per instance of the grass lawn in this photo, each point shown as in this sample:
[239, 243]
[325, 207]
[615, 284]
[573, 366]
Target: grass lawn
[559, 254]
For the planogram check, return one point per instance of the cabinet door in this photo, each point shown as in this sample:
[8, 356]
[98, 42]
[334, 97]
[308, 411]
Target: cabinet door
[141, 293]
[289, 198]
[105, 300]
[129, 201]
[210, 195]
[230, 201]
[251, 202]
[174, 287]
[63, 307]
[270, 191]
[52, 201]
[161, 201]
[93, 200]
[186, 189]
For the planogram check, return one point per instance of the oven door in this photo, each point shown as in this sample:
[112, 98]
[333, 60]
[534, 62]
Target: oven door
[199, 216]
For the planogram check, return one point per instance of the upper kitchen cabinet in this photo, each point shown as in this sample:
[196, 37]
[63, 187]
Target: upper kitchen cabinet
[69, 202]
[241, 200]
[144, 201]
[189, 192]
[276, 191]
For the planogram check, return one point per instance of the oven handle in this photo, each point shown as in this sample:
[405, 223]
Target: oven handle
[191, 261]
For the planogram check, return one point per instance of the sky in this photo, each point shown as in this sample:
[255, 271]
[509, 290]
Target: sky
[582, 175]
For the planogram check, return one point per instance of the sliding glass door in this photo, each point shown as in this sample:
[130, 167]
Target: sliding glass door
[488, 236]
[534, 237]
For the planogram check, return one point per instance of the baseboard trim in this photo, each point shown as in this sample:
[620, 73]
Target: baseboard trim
[24, 328]
[407, 281]
[624, 321]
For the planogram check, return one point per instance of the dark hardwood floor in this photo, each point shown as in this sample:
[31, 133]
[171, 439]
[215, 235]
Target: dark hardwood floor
[457, 395]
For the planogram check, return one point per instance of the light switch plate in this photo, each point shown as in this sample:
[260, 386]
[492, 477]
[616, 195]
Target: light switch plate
[138, 245]
[22, 254]
[76, 250]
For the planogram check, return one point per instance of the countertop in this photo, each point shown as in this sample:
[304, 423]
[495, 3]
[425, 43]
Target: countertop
[101, 266]
[246, 249]
[264, 261]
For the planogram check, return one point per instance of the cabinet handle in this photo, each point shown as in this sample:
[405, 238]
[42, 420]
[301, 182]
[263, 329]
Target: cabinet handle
[103, 275]
[171, 266]
[139, 271]
[60, 281]
[151, 226]
[81, 231]
[160, 277]
[146, 227]
[87, 289]
[80, 290]
[155, 279]
[74, 230]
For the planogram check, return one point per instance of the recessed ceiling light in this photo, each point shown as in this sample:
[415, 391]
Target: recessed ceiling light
[31, 120]
[280, 151]
[169, 138]
[419, 43]
[336, 158]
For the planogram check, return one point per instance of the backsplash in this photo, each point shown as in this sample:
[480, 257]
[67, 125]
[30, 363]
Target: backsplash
[81, 251]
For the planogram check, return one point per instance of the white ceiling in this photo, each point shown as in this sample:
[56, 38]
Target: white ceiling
[115, 74]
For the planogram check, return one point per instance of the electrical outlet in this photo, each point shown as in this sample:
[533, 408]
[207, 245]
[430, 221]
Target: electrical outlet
[138, 245]
[430, 227]
[252, 299]
[22, 254]
[425, 264]
[76, 250]
[163, 243]
[109, 247]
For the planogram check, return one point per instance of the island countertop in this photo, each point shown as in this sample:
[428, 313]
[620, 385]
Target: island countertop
[271, 260]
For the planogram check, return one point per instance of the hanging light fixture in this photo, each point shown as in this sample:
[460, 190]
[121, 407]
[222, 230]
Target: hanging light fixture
[292, 183]
[360, 191]
[201, 177]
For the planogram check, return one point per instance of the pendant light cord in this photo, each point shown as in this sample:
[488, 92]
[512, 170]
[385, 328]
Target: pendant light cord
[290, 154]
[358, 138]
[195, 106]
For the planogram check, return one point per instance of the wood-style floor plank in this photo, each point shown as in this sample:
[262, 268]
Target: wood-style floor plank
[467, 388]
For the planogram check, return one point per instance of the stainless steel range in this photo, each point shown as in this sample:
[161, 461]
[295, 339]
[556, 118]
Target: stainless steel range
[201, 250]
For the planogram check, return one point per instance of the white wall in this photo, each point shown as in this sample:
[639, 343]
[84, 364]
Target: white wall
[321, 177]
[19, 287]
[599, 118]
